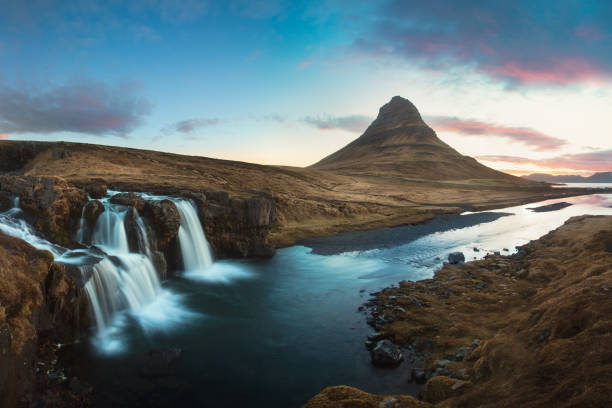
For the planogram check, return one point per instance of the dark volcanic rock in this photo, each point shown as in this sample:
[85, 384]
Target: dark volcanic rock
[129, 199]
[237, 227]
[96, 191]
[165, 219]
[386, 353]
[456, 258]
[93, 210]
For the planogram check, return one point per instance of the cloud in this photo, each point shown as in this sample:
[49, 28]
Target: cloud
[84, 106]
[594, 161]
[190, 125]
[352, 123]
[519, 42]
[539, 141]
[3, 136]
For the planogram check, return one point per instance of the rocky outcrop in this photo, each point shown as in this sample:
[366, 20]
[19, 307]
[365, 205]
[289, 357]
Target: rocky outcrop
[96, 190]
[93, 210]
[165, 220]
[386, 353]
[237, 227]
[40, 304]
[455, 258]
[54, 205]
[128, 199]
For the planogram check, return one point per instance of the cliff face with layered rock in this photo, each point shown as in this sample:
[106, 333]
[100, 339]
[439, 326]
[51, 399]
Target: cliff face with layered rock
[40, 305]
[54, 204]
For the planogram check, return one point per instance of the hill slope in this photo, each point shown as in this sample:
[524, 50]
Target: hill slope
[400, 144]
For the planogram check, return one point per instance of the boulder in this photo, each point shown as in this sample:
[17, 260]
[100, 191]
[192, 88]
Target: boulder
[128, 199]
[455, 258]
[165, 219]
[96, 191]
[93, 210]
[386, 353]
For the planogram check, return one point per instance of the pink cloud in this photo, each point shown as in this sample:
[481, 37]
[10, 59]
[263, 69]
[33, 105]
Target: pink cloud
[562, 72]
[595, 161]
[3, 136]
[530, 137]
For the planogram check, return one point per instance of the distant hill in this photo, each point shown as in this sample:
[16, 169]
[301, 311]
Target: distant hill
[400, 144]
[602, 177]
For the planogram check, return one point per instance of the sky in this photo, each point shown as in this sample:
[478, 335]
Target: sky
[523, 86]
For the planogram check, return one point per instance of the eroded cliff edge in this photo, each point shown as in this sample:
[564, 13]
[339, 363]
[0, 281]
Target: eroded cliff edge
[531, 329]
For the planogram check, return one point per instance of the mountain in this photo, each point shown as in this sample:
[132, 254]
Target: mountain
[602, 177]
[400, 144]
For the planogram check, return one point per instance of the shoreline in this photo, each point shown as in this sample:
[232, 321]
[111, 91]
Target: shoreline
[482, 333]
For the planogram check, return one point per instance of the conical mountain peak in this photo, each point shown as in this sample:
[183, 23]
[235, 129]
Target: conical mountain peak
[400, 144]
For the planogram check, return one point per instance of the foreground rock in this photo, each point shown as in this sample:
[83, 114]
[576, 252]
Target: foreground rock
[386, 353]
[456, 258]
[531, 329]
[40, 305]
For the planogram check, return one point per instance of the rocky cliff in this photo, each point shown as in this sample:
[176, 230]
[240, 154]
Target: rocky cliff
[40, 305]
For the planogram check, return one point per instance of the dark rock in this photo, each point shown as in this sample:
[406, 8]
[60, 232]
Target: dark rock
[93, 210]
[456, 258]
[496, 253]
[442, 363]
[418, 375]
[96, 191]
[386, 353]
[220, 197]
[6, 202]
[375, 336]
[165, 219]
[476, 249]
[128, 199]
[461, 353]
[370, 344]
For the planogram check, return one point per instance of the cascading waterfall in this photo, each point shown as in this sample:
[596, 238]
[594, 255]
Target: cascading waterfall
[123, 280]
[117, 279]
[196, 252]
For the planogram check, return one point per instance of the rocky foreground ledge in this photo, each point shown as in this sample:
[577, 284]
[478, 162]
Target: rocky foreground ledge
[529, 330]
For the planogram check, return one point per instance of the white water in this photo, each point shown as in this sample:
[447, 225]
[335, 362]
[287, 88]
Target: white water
[196, 252]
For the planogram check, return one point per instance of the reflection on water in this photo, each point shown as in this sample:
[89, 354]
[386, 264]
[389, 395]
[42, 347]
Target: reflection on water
[275, 332]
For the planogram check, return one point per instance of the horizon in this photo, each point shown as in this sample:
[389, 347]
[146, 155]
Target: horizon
[524, 88]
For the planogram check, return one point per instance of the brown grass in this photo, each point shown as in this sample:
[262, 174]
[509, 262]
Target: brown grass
[544, 322]
[309, 202]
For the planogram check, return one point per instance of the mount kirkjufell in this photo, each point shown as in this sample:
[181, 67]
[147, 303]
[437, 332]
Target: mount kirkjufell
[400, 144]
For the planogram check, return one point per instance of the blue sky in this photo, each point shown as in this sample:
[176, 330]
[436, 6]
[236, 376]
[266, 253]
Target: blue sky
[524, 86]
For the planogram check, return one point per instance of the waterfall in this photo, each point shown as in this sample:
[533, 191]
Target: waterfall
[118, 280]
[195, 249]
[123, 280]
